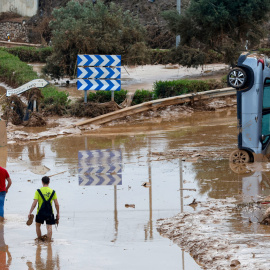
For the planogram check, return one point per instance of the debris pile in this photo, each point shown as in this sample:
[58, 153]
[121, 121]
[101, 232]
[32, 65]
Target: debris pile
[92, 109]
[35, 120]
[266, 217]
[14, 110]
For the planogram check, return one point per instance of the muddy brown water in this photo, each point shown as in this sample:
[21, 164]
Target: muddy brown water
[97, 230]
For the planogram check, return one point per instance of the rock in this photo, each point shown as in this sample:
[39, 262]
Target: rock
[234, 263]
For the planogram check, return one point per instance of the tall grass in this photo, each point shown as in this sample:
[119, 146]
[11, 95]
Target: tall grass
[13, 71]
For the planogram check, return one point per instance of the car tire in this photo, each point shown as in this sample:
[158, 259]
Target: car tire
[239, 156]
[237, 78]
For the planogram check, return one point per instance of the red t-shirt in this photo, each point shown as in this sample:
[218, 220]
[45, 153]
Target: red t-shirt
[3, 176]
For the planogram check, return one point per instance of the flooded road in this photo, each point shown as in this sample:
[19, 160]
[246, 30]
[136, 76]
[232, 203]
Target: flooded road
[112, 224]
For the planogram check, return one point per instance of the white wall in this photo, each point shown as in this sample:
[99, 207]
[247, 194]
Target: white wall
[23, 7]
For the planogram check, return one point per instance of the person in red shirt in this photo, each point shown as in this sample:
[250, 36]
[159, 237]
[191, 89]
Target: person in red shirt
[4, 176]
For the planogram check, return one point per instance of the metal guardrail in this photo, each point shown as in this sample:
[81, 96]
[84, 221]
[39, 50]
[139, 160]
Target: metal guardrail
[158, 103]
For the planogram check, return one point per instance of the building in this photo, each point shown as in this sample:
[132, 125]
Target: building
[27, 8]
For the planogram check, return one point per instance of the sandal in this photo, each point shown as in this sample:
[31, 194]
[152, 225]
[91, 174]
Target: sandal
[30, 220]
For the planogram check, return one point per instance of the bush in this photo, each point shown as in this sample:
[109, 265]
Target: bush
[53, 96]
[265, 51]
[54, 102]
[94, 28]
[31, 54]
[160, 57]
[13, 71]
[163, 89]
[105, 96]
[141, 96]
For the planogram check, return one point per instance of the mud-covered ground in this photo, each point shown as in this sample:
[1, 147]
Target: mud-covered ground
[207, 235]
[220, 229]
[64, 126]
[133, 78]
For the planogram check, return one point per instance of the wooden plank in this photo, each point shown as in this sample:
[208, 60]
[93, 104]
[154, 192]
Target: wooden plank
[154, 104]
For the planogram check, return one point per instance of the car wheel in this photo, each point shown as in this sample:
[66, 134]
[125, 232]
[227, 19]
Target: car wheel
[237, 78]
[239, 156]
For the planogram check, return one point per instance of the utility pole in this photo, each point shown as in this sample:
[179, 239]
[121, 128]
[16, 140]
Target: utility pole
[178, 7]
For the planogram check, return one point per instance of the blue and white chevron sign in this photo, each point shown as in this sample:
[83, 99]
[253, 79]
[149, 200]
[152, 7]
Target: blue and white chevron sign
[84, 84]
[100, 167]
[111, 169]
[98, 60]
[100, 180]
[96, 72]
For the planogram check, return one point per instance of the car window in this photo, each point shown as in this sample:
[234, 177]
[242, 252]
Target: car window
[266, 95]
[266, 111]
[266, 126]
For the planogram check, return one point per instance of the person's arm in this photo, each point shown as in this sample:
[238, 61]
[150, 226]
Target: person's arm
[57, 209]
[33, 207]
[8, 184]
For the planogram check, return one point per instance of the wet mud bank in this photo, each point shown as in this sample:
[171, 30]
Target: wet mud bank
[213, 236]
[65, 126]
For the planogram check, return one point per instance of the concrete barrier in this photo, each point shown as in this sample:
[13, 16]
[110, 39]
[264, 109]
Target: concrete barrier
[3, 133]
[25, 8]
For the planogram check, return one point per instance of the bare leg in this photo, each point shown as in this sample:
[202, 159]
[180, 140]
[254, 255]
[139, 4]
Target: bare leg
[38, 230]
[49, 232]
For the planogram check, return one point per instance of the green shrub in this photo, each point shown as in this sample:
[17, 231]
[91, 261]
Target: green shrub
[13, 71]
[265, 51]
[53, 96]
[160, 56]
[214, 57]
[165, 89]
[141, 96]
[105, 96]
[55, 102]
[31, 54]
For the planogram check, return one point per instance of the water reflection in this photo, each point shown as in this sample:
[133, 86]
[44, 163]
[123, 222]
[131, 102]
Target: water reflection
[216, 179]
[5, 256]
[35, 154]
[148, 229]
[100, 167]
[44, 261]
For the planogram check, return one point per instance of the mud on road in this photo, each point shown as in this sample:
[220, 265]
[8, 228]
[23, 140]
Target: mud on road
[65, 126]
[215, 239]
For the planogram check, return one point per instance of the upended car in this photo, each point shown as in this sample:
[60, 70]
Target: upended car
[251, 78]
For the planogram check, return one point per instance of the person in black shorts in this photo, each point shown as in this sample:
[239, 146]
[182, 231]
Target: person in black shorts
[49, 195]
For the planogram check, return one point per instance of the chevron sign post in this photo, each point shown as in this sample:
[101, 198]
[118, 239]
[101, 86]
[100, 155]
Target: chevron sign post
[100, 75]
[100, 167]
